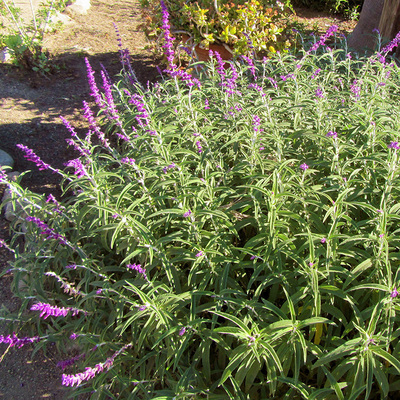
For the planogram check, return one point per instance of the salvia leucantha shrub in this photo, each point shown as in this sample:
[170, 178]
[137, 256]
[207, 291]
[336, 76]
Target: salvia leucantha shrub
[229, 234]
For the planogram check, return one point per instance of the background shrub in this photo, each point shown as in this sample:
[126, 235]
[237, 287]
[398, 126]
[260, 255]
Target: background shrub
[346, 7]
[246, 26]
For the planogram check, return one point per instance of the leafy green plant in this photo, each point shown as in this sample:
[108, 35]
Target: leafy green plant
[230, 235]
[246, 26]
[25, 40]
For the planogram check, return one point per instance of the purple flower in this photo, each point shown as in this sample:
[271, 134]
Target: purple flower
[319, 93]
[171, 166]
[168, 39]
[323, 38]
[54, 311]
[46, 230]
[125, 58]
[390, 46]
[316, 72]
[332, 134]
[77, 147]
[273, 82]
[138, 268]
[258, 88]
[199, 254]
[31, 156]
[256, 123]
[251, 65]
[68, 288]
[127, 160]
[80, 170]
[323, 240]
[73, 336]
[199, 147]
[394, 293]
[394, 145]
[52, 199]
[18, 342]
[71, 361]
[304, 166]
[182, 331]
[286, 77]
[68, 126]
[94, 91]
[206, 104]
[87, 112]
[143, 117]
[355, 89]
[90, 373]
[187, 213]
[221, 64]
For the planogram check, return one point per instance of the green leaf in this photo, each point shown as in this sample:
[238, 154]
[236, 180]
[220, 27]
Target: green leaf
[235, 320]
[385, 355]
[349, 347]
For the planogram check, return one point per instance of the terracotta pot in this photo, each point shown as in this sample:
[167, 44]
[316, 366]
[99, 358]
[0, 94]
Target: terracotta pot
[203, 53]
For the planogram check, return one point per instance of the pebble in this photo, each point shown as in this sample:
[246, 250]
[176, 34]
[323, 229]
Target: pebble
[5, 55]
[6, 159]
[78, 7]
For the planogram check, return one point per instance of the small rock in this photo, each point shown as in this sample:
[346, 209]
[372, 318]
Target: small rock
[5, 159]
[58, 18]
[80, 7]
[5, 55]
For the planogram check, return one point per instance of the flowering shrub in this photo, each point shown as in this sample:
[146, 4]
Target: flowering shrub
[231, 235]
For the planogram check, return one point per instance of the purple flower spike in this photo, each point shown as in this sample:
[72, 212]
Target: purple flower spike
[67, 363]
[304, 166]
[80, 170]
[332, 134]
[323, 38]
[46, 230]
[127, 160]
[319, 93]
[90, 373]
[94, 90]
[138, 268]
[18, 342]
[316, 72]
[182, 331]
[47, 310]
[168, 45]
[394, 145]
[199, 147]
[31, 156]
[394, 293]
[187, 213]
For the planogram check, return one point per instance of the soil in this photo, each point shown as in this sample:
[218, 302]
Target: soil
[30, 107]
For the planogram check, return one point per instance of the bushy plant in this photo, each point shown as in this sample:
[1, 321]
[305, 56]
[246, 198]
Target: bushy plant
[232, 234]
[24, 40]
[246, 26]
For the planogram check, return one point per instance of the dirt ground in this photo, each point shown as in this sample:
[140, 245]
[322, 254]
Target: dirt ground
[30, 106]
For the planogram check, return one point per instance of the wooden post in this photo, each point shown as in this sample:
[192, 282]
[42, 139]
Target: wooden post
[389, 24]
[363, 38]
